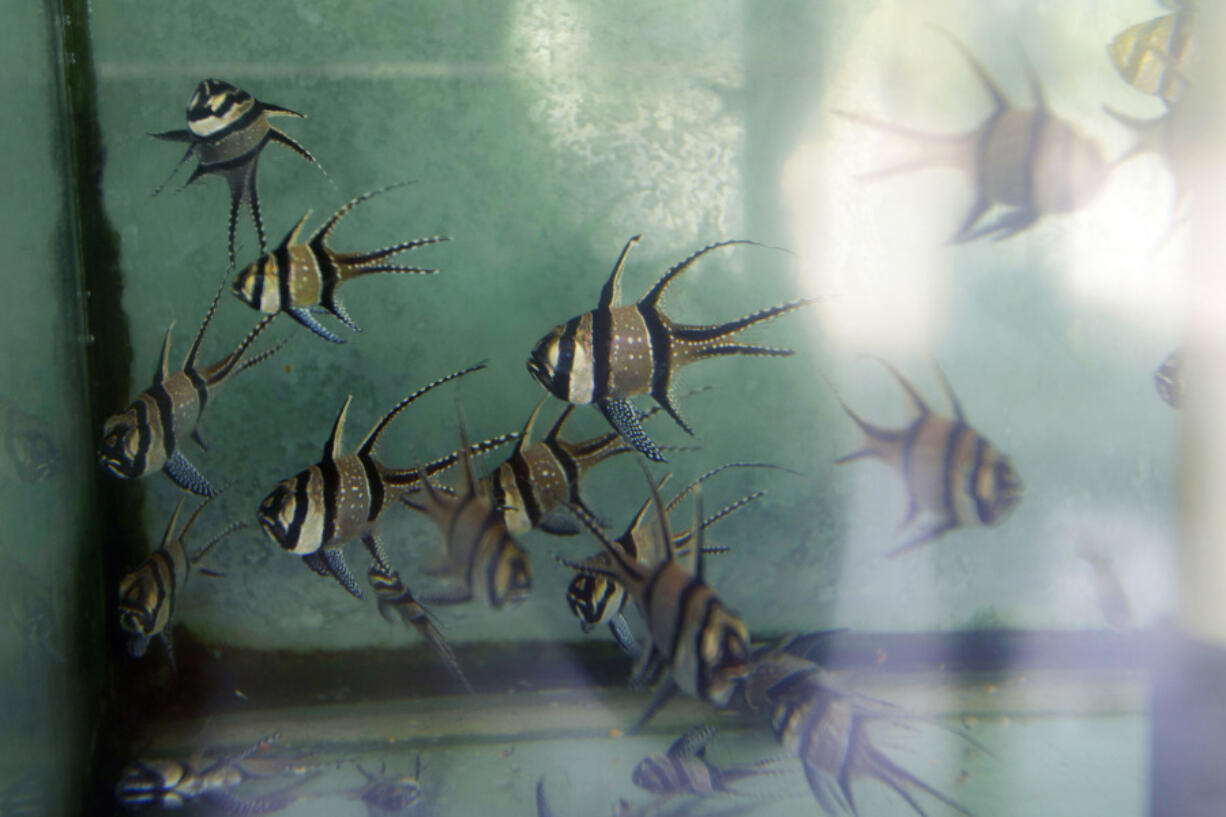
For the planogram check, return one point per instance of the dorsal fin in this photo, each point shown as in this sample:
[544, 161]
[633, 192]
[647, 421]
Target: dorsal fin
[916, 401]
[292, 236]
[611, 295]
[368, 444]
[624, 567]
[189, 362]
[627, 538]
[1000, 103]
[332, 448]
[556, 428]
[321, 235]
[1036, 87]
[191, 520]
[652, 296]
[666, 533]
[164, 359]
[949, 394]
[525, 435]
[170, 526]
[466, 457]
[699, 531]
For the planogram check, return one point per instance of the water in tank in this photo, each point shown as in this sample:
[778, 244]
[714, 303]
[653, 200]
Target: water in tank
[570, 408]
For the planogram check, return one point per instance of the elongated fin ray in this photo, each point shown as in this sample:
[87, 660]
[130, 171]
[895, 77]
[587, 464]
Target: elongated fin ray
[412, 476]
[164, 358]
[283, 138]
[954, 405]
[217, 373]
[1000, 102]
[363, 260]
[174, 520]
[698, 532]
[664, 692]
[652, 296]
[190, 361]
[730, 328]
[630, 568]
[610, 294]
[191, 520]
[321, 235]
[175, 136]
[917, 402]
[871, 431]
[233, 527]
[665, 530]
[372, 439]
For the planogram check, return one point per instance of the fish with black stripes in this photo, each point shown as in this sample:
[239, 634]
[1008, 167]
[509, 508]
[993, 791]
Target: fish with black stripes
[615, 352]
[596, 599]
[30, 451]
[534, 484]
[144, 437]
[704, 644]
[685, 769]
[479, 555]
[1168, 379]
[299, 275]
[952, 474]
[227, 129]
[170, 783]
[1151, 56]
[387, 795]
[342, 497]
[1028, 161]
[826, 729]
[149, 592]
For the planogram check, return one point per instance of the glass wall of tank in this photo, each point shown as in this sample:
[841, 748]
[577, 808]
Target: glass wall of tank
[49, 562]
[856, 142]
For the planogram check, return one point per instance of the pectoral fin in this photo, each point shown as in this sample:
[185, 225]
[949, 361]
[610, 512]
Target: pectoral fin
[185, 475]
[335, 562]
[622, 416]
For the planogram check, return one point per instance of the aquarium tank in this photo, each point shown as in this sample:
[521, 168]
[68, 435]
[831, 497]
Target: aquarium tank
[553, 407]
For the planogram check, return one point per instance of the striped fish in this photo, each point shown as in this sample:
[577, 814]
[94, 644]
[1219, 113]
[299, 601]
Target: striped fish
[614, 352]
[227, 129]
[172, 783]
[30, 452]
[597, 598]
[298, 275]
[144, 437]
[388, 796]
[826, 729]
[704, 644]
[684, 769]
[1168, 380]
[395, 599]
[950, 471]
[147, 594]
[479, 554]
[1025, 159]
[1150, 56]
[342, 497]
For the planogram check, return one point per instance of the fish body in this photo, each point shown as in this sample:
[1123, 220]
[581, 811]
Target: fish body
[227, 129]
[1168, 379]
[396, 600]
[30, 452]
[148, 593]
[144, 438]
[615, 352]
[298, 275]
[173, 783]
[951, 473]
[480, 557]
[388, 796]
[596, 599]
[1151, 56]
[342, 497]
[1025, 159]
[704, 644]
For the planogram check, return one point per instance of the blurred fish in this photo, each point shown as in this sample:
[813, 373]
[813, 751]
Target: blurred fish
[684, 769]
[227, 129]
[29, 795]
[395, 599]
[704, 644]
[1025, 159]
[596, 598]
[388, 796]
[1150, 56]
[144, 437]
[479, 554]
[1108, 590]
[172, 783]
[30, 609]
[30, 451]
[1168, 380]
[299, 275]
[147, 594]
[614, 352]
[950, 471]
